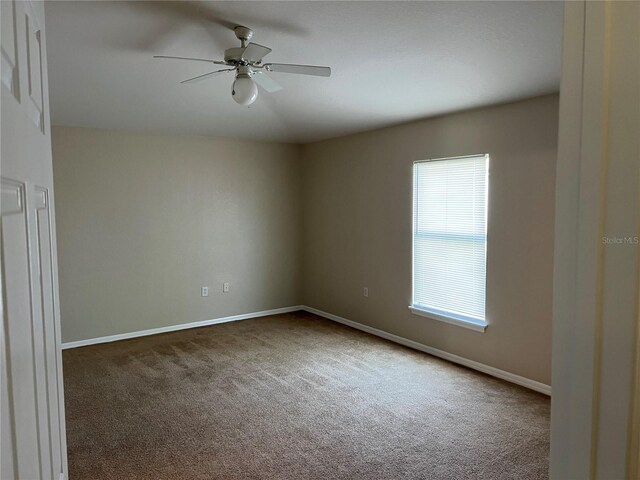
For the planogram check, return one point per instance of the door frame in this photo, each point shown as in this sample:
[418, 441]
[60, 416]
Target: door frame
[596, 283]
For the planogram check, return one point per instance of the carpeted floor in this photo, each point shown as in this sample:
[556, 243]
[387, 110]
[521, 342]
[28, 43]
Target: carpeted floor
[295, 397]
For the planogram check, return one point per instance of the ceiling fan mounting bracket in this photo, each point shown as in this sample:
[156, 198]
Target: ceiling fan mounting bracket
[244, 34]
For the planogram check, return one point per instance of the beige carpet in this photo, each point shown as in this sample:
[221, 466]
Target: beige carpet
[297, 397]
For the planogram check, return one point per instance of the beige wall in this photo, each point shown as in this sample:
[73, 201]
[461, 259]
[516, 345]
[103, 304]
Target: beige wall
[357, 229]
[145, 220]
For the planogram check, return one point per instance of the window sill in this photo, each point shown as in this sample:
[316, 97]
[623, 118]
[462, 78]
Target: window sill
[477, 326]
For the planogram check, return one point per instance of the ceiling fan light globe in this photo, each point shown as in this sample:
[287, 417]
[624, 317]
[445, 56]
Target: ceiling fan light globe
[244, 90]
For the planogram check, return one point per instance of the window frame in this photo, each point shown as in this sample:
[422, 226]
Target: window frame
[471, 323]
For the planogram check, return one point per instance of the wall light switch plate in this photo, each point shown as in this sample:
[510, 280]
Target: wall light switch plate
[204, 291]
[366, 291]
[225, 287]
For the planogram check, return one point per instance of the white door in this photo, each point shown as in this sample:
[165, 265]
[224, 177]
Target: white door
[33, 444]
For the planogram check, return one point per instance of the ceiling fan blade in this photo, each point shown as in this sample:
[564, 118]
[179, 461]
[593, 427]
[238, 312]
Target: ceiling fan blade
[199, 78]
[217, 62]
[300, 69]
[266, 82]
[254, 52]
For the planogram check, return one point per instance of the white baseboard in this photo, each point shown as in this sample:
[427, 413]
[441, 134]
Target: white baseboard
[510, 377]
[495, 372]
[182, 326]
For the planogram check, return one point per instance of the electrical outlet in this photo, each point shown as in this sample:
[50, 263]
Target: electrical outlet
[225, 287]
[366, 291]
[204, 291]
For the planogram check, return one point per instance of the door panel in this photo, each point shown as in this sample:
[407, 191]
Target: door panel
[17, 329]
[32, 423]
[9, 49]
[7, 460]
[34, 66]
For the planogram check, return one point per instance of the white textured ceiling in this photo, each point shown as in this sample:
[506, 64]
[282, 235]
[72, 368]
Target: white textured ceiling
[391, 62]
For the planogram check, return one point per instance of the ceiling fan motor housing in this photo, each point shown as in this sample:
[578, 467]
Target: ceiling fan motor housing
[233, 55]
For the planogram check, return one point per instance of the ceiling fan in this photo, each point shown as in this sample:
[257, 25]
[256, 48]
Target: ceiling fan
[246, 61]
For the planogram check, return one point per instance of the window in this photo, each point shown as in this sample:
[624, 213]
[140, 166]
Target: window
[450, 239]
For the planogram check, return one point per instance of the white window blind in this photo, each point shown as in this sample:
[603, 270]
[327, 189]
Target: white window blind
[450, 237]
